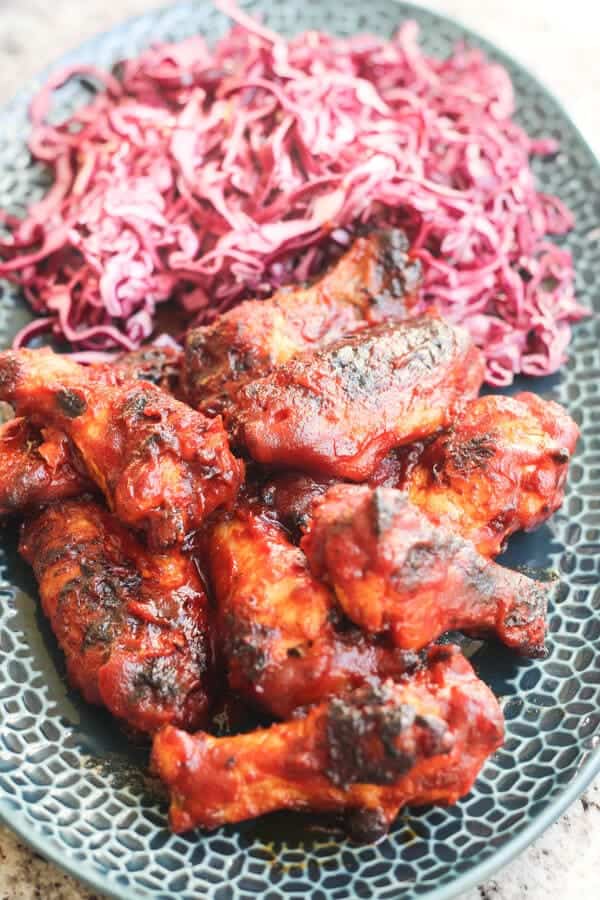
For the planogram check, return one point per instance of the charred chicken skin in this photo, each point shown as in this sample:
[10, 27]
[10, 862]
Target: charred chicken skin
[339, 411]
[162, 466]
[133, 626]
[374, 281]
[276, 623]
[35, 467]
[500, 468]
[158, 365]
[392, 570]
[367, 753]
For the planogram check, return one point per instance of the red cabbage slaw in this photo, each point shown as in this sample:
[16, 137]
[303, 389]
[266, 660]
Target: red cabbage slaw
[208, 175]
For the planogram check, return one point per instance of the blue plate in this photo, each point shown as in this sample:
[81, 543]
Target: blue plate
[76, 791]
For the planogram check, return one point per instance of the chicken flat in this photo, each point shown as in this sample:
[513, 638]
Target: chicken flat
[162, 466]
[374, 281]
[367, 753]
[339, 411]
[392, 570]
[276, 623]
[133, 626]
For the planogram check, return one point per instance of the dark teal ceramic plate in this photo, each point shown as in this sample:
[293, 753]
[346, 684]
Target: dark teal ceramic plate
[75, 790]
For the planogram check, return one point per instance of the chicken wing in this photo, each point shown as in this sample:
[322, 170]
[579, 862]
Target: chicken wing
[276, 622]
[162, 466]
[38, 466]
[35, 467]
[368, 753]
[339, 411]
[373, 282]
[133, 626]
[392, 570]
[500, 468]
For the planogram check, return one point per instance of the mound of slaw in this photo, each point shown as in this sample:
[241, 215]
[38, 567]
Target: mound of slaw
[206, 175]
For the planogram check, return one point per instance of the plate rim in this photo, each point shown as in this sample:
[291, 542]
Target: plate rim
[14, 819]
[480, 872]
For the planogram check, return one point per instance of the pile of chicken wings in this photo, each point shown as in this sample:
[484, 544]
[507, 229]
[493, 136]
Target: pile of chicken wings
[288, 515]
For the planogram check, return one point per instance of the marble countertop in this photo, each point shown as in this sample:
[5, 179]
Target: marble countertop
[558, 41]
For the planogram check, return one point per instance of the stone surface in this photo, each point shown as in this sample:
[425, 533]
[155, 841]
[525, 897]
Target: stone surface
[558, 42]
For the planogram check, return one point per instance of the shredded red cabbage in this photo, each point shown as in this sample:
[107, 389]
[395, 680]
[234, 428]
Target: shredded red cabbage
[208, 175]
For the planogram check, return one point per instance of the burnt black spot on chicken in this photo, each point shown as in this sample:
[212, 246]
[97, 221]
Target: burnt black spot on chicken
[69, 589]
[397, 275]
[152, 364]
[247, 643]
[156, 677]
[70, 403]
[352, 362]
[439, 739]
[364, 363]
[425, 557]
[242, 363]
[160, 438]
[373, 739]
[418, 566]
[471, 455]
[70, 550]
[98, 633]
[113, 589]
[135, 404]
[10, 375]
[365, 826]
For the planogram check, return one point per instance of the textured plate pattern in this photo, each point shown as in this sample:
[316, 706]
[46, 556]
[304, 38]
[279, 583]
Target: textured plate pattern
[70, 784]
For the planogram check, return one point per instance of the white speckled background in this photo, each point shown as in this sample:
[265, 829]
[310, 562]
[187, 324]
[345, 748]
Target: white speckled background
[559, 40]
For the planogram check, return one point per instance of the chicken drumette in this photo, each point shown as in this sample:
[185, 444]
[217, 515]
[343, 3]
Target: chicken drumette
[367, 752]
[374, 281]
[277, 624]
[339, 411]
[162, 467]
[392, 570]
[133, 626]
